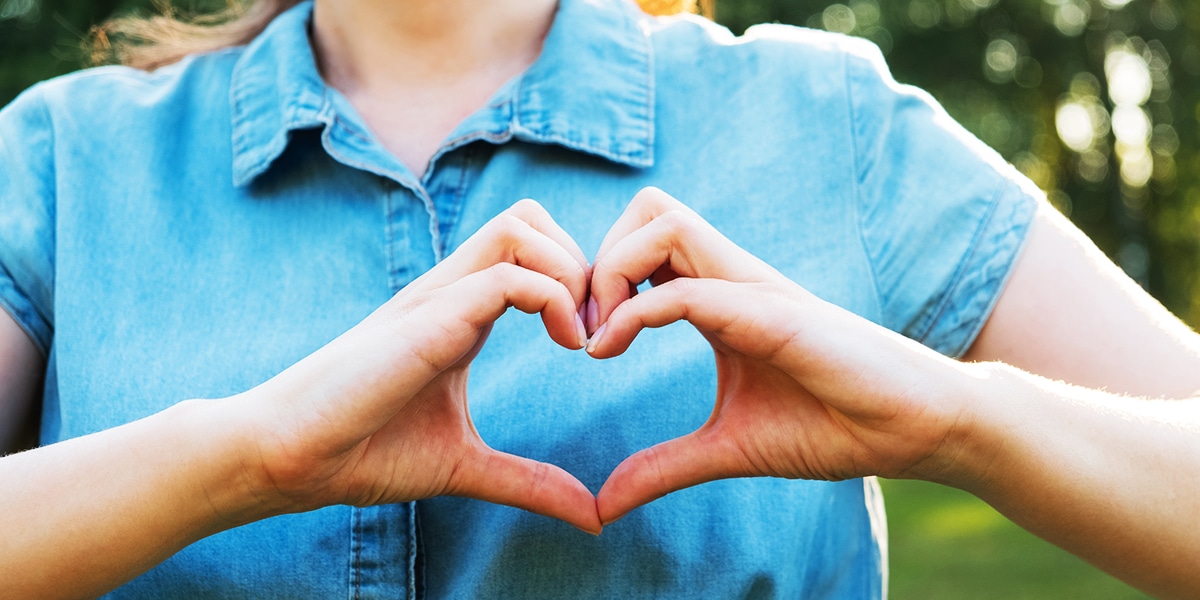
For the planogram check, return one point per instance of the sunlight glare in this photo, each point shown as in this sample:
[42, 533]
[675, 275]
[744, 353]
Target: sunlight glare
[1075, 126]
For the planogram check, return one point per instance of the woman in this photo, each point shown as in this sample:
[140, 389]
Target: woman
[318, 231]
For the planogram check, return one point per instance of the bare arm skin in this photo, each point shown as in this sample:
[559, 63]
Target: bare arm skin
[21, 371]
[808, 390]
[379, 415]
[1112, 479]
[1069, 313]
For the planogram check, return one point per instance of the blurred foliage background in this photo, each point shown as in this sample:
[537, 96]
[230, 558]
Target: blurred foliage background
[1097, 101]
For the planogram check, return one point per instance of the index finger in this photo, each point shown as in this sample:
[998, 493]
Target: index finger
[675, 240]
[525, 235]
[647, 204]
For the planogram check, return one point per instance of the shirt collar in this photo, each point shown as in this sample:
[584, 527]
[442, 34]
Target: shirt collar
[591, 90]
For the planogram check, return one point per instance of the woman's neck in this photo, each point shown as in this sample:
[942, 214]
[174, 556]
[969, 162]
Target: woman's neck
[379, 43]
[415, 68]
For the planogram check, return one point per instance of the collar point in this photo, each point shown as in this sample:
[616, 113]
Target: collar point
[245, 174]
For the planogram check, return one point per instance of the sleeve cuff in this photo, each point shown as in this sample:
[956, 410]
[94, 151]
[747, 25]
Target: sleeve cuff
[981, 276]
[23, 312]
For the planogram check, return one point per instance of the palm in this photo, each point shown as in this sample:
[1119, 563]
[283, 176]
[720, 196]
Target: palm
[417, 453]
[774, 426]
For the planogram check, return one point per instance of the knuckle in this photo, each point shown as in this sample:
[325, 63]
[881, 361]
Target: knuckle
[507, 233]
[675, 220]
[539, 479]
[528, 208]
[503, 272]
[574, 275]
[654, 462]
[685, 287]
[652, 195]
[655, 200]
[509, 227]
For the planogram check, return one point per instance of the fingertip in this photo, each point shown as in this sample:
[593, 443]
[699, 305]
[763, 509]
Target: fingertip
[651, 190]
[592, 531]
[560, 317]
[528, 208]
[615, 498]
[607, 512]
[605, 521]
[593, 314]
[581, 336]
[656, 200]
[586, 517]
[593, 344]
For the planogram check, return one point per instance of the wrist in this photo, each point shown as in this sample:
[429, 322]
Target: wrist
[970, 397]
[992, 400]
[226, 461]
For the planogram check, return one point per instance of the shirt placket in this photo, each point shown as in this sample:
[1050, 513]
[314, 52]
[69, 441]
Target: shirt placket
[385, 546]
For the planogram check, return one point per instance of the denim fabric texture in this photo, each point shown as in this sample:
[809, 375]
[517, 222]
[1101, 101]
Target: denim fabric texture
[191, 232]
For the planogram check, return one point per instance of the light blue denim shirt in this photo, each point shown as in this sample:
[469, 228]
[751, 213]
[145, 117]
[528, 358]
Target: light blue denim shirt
[191, 232]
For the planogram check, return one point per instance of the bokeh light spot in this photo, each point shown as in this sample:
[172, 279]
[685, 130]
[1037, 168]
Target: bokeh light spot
[925, 14]
[838, 18]
[1131, 125]
[1137, 166]
[18, 9]
[1128, 74]
[1093, 166]
[866, 13]
[1163, 15]
[1075, 126]
[1070, 17]
[1000, 60]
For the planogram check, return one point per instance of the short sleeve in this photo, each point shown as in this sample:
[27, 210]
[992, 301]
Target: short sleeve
[27, 216]
[942, 216]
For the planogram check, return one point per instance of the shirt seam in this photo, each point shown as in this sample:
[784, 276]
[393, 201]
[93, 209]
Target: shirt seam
[356, 546]
[389, 239]
[968, 258]
[860, 200]
[52, 192]
[648, 124]
[460, 197]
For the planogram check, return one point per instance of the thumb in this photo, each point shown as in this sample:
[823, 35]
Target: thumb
[673, 465]
[530, 485]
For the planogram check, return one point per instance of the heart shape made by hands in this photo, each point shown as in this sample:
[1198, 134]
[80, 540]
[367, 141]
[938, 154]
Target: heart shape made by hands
[796, 397]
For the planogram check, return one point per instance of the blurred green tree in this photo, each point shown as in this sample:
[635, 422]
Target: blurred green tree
[1095, 100]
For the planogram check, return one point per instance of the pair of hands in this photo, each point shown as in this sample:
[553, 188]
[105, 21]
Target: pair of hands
[805, 389]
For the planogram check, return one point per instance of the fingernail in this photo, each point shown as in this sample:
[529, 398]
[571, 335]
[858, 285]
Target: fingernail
[595, 341]
[593, 313]
[593, 533]
[580, 331]
[610, 521]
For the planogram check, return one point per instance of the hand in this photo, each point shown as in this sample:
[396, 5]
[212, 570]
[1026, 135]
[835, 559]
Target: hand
[380, 414]
[804, 388]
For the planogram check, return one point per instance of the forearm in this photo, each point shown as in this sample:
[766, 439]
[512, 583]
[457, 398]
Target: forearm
[86, 515]
[1111, 479]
